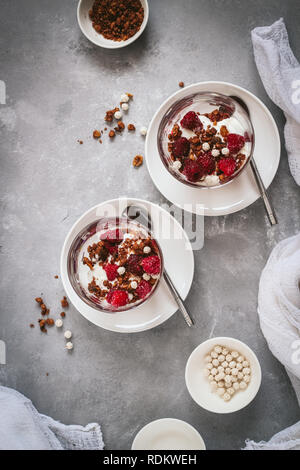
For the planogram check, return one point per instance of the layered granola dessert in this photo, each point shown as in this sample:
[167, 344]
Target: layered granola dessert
[206, 148]
[118, 264]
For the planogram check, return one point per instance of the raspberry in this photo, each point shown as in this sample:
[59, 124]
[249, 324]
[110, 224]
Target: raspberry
[207, 163]
[111, 271]
[181, 147]
[191, 121]
[112, 249]
[151, 264]
[112, 236]
[235, 142]
[117, 298]
[227, 165]
[192, 170]
[134, 264]
[143, 289]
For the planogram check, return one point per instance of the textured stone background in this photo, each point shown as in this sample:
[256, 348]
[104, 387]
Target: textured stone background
[58, 87]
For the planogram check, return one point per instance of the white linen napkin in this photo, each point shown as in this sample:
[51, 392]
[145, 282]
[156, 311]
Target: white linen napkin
[23, 428]
[280, 74]
[279, 315]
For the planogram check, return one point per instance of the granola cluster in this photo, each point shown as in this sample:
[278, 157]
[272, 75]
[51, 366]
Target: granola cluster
[117, 20]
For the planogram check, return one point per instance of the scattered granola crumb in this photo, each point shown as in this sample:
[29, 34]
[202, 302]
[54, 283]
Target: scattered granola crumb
[111, 134]
[130, 96]
[181, 84]
[131, 127]
[109, 116]
[80, 142]
[39, 300]
[56, 276]
[64, 302]
[96, 134]
[137, 161]
[47, 373]
[31, 325]
[62, 314]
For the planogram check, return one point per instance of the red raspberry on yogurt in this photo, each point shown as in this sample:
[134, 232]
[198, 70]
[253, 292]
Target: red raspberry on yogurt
[151, 264]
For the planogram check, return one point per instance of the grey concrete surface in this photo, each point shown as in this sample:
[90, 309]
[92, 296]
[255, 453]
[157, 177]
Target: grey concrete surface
[58, 87]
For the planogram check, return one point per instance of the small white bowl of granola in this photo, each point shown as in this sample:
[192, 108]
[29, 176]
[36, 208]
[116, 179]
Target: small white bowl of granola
[223, 375]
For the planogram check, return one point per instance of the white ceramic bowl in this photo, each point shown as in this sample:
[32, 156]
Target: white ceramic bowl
[168, 434]
[87, 29]
[198, 385]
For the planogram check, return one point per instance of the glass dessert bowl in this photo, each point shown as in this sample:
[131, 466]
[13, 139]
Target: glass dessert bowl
[205, 139]
[114, 264]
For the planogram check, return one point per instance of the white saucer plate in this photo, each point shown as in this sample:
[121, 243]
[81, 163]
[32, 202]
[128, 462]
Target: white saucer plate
[242, 191]
[178, 259]
[168, 434]
[198, 385]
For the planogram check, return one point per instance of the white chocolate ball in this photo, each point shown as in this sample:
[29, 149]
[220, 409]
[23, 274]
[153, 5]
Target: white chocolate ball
[214, 371]
[231, 391]
[147, 249]
[247, 379]
[206, 372]
[243, 385]
[246, 371]
[228, 379]
[234, 354]
[211, 377]
[68, 334]
[133, 284]
[234, 371]
[213, 386]
[124, 98]
[245, 364]
[221, 358]
[221, 383]
[214, 355]
[209, 366]
[143, 131]
[240, 375]
[59, 323]
[215, 362]
[229, 358]
[221, 391]
[232, 364]
[69, 345]
[207, 359]
[225, 364]
[240, 359]
[125, 106]
[206, 146]
[239, 366]
[225, 151]
[118, 115]
[218, 349]
[226, 396]
[236, 386]
[215, 152]
[225, 351]
[121, 270]
[146, 277]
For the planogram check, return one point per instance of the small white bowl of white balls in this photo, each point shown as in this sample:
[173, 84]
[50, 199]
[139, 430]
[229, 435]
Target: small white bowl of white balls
[223, 375]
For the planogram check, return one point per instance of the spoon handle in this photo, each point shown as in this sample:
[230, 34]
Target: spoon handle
[178, 299]
[268, 206]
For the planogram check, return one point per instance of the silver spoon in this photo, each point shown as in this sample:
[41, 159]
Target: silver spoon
[268, 206]
[138, 212]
